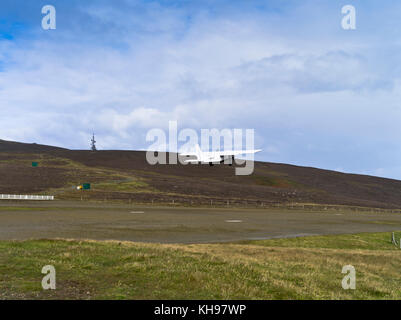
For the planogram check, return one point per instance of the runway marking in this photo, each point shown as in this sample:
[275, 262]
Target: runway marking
[233, 220]
[137, 211]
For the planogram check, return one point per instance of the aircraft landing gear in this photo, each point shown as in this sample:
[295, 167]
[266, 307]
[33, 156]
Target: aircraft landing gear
[211, 164]
[232, 161]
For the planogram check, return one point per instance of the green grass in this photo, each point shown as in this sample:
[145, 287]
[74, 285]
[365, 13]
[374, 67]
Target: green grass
[125, 185]
[278, 182]
[365, 241]
[7, 208]
[101, 179]
[299, 268]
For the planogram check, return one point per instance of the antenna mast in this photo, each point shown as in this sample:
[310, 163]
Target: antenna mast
[93, 143]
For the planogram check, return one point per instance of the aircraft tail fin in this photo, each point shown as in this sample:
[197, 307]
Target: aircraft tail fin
[198, 151]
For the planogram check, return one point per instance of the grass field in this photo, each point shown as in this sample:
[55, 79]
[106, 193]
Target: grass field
[297, 268]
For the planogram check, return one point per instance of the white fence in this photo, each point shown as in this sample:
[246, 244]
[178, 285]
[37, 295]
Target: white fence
[24, 197]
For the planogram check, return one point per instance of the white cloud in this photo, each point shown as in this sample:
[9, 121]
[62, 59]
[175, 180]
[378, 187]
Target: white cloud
[336, 92]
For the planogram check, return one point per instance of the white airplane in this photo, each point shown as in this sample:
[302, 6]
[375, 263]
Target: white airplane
[215, 156]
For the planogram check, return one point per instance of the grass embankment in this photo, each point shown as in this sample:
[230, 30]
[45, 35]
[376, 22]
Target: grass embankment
[299, 268]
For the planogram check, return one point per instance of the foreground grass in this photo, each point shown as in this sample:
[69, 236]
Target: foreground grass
[300, 268]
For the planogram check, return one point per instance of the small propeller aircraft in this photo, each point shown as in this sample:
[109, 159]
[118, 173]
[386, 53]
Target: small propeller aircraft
[215, 156]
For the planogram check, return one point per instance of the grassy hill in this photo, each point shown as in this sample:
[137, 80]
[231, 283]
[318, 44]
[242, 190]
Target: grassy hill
[125, 175]
[299, 268]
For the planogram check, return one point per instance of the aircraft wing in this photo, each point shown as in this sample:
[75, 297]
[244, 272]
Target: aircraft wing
[215, 156]
[237, 152]
[192, 161]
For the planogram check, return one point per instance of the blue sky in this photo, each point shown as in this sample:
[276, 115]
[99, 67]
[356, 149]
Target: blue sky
[316, 95]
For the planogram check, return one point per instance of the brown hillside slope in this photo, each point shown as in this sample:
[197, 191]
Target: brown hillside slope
[11, 146]
[127, 175]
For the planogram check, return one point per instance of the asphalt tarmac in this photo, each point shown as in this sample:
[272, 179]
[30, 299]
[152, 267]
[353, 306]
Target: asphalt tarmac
[48, 220]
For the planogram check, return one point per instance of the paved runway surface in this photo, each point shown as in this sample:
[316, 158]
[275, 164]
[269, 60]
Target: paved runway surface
[179, 225]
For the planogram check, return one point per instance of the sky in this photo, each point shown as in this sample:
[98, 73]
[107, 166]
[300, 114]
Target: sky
[315, 94]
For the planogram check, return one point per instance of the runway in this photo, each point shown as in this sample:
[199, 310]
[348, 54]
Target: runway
[179, 225]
